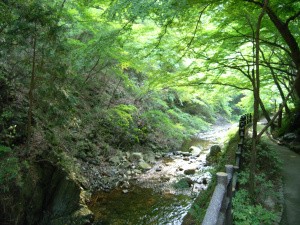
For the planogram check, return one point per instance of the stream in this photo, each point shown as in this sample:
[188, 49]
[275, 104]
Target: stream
[164, 193]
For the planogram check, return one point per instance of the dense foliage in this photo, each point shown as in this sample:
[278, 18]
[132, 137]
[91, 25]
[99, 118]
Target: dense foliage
[266, 207]
[79, 79]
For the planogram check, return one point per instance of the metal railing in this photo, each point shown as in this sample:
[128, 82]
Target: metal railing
[219, 210]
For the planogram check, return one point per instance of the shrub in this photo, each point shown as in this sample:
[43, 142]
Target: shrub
[9, 169]
[183, 183]
[161, 129]
[268, 171]
[121, 123]
[245, 213]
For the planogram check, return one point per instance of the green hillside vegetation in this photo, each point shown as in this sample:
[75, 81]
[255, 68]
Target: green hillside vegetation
[84, 80]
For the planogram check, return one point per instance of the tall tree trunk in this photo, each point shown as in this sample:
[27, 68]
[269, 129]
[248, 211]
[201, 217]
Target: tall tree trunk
[256, 87]
[30, 94]
[290, 40]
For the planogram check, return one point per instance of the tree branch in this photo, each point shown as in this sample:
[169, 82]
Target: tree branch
[211, 83]
[194, 33]
[275, 116]
[292, 18]
[161, 35]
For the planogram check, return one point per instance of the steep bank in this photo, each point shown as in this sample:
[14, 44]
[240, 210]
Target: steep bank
[48, 195]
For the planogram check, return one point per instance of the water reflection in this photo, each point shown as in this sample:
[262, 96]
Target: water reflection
[139, 206]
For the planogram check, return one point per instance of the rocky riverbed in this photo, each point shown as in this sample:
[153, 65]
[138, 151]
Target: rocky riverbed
[156, 170]
[154, 185]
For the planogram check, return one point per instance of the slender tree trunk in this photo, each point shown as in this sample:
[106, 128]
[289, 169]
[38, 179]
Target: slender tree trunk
[114, 92]
[30, 94]
[280, 116]
[275, 116]
[263, 109]
[256, 87]
[287, 110]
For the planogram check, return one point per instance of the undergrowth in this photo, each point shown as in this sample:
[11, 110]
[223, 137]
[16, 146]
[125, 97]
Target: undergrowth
[264, 208]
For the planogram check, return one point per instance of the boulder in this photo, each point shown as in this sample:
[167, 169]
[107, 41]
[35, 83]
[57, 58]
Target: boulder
[183, 183]
[137, 171]
[195, 151]
[177, 153]
[289, 137]
[149, 157]
[213, 155]
[214, 150]
[115, 160]
[136, 156]
[158, 156]
[186, 154]
[144, 166]
[190, 171]
[158, 169]
[125, 191]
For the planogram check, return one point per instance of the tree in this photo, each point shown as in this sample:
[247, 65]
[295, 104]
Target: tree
[256, 88]
[284, 29]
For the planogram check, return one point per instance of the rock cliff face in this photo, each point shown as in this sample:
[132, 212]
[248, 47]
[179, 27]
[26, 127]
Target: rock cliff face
[51, 196]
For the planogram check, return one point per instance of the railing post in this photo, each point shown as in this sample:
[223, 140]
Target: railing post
[223, 179]
[212, 214]
[235, 183]
[219, 211]
[228, 215]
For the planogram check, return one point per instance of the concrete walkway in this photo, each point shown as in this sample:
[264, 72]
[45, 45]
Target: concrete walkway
[291, 184]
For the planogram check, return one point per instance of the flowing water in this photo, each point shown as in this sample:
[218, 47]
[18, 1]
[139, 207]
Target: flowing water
[151, 198]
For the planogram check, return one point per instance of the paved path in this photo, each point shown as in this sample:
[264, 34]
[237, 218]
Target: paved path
[291, 184]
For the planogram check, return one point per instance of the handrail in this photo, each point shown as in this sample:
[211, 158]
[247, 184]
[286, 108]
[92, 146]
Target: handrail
[219, 210]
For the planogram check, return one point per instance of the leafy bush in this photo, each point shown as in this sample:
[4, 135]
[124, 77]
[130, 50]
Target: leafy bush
[9, 169]
[121, 123]
[267, 174]
[245, 213]
[183, 183]
[290, 122]
[191, 123]
[268, 161]
[161, 129]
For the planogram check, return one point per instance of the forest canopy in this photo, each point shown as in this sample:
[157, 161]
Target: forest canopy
[142, 55]
[85, 80]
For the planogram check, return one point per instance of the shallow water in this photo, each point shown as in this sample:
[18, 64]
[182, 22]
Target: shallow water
[152, 201]
[140, 206]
